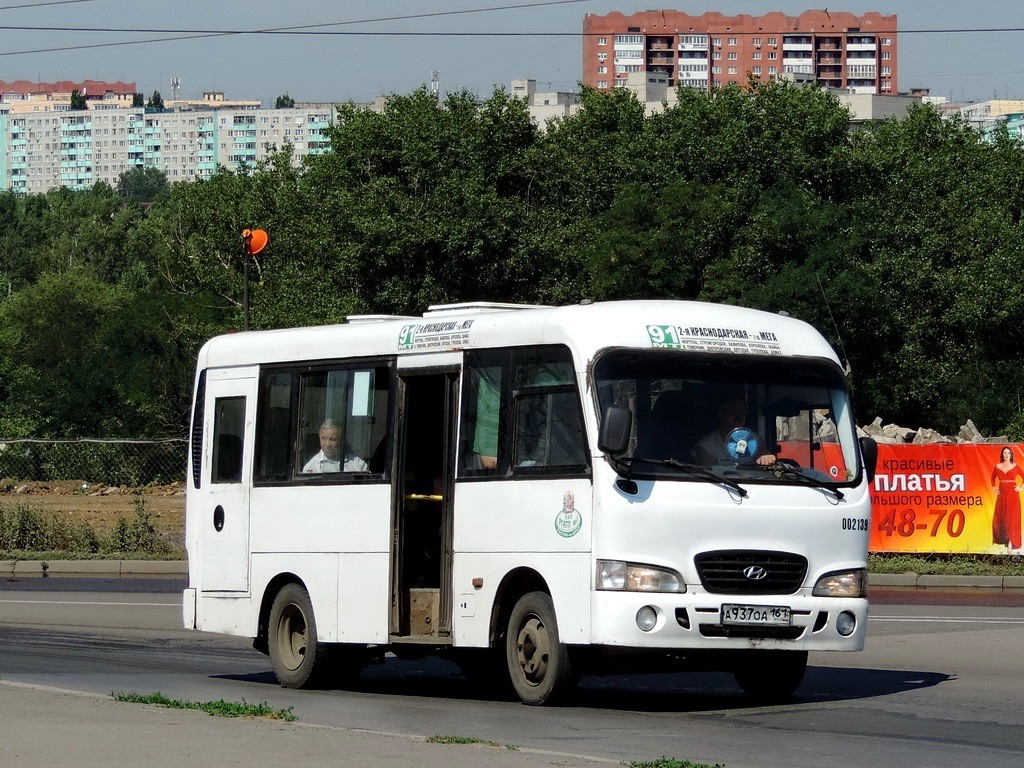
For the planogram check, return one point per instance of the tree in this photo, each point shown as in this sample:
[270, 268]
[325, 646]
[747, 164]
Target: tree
[138, 99]
[89, 359]
[156, 101]
[901, 241]
[284, 102]
[430, 203]
[142, 185]
[78, 100]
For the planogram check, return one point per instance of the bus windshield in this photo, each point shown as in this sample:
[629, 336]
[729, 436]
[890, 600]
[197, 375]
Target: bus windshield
[741, 418]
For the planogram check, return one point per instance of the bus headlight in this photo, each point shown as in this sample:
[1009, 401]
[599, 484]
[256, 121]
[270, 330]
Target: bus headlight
[631, 577]
[852, 583]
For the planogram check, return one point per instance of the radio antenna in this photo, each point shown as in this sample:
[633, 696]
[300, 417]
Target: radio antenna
[839, 336]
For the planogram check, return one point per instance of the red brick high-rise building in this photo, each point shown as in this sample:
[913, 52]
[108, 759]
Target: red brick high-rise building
[838, 49]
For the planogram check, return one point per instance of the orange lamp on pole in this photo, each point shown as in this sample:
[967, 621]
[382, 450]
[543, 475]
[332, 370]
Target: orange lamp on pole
[253, 241]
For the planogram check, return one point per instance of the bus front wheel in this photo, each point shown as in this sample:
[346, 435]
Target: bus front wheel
[299, 661]
[538, 663]
[771, 676]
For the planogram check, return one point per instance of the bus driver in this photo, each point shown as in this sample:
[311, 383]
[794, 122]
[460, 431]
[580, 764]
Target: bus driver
[330, 459]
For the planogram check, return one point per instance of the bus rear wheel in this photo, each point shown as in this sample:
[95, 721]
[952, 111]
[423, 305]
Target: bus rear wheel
[771, 676]
[299, 661]
[538, 663]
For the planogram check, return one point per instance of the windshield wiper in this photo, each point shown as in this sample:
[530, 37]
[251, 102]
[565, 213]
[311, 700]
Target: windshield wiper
[784, 470]
[695, 469]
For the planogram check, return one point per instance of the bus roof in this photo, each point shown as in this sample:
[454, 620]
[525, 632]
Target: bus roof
[586, 328]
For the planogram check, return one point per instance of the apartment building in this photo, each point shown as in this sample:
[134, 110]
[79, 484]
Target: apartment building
[77, 148]
[652, 90]
[22, 96]
[837, 48]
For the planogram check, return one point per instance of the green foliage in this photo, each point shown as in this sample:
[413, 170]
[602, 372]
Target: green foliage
[78, 100]
[25, 531]
[138, 534]
[219, 708]
[138, 99]
[670, 762]
[947, 564]
[461, 740]
[902, 241]
[429, 203]
[22, 528]
[284, 102]
[88, 358]
[142, 185]
[156, 101]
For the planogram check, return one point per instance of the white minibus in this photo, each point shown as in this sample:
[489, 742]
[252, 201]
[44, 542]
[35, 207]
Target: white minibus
[533, 492]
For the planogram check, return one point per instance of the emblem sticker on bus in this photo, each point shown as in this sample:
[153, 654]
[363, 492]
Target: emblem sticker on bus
[569, 521]
[713, 339]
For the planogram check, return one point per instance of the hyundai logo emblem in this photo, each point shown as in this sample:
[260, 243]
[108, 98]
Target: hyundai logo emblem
[755, 572]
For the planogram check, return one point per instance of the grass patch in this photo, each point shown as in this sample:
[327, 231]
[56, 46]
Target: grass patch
[670, 762]
[945, 564]
[218, 708]
[26, 533]
[469, 740]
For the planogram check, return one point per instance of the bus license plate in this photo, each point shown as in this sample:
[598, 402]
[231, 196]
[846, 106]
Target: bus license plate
[757, 615]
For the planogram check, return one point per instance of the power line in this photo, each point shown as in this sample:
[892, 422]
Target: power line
[40, 5]
[305, 29]
[313, 29]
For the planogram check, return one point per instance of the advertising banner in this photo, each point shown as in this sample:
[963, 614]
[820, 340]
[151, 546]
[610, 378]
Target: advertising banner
[948, 498]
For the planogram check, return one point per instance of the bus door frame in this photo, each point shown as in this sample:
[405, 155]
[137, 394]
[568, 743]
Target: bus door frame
[422, 612]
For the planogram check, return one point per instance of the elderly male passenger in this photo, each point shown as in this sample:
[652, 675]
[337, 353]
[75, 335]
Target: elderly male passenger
[334, 455]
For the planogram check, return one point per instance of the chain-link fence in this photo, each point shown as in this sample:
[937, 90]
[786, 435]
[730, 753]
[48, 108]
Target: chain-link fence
[132, 463]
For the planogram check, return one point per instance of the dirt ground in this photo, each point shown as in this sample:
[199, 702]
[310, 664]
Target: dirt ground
[101, 505]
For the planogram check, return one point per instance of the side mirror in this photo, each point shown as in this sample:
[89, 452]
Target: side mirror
[869, 450]
[616, 427]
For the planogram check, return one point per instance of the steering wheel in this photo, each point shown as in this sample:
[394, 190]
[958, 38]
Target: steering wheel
[743, 445]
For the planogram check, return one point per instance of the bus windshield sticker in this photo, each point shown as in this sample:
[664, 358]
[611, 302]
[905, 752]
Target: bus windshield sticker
[711, 339]
[569, 521]
[451, 334]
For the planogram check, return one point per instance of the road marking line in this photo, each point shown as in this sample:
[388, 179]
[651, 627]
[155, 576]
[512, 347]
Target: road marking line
[948, 619]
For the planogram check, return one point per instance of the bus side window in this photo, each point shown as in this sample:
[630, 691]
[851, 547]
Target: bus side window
[342, 423]
[486, 413]
[548, 431]
[228, 442]
[520, 412]
[273, 427]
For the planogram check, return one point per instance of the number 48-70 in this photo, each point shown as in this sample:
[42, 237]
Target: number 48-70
[906, 524]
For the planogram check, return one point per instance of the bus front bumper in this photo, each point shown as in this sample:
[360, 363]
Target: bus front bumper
[644, 620]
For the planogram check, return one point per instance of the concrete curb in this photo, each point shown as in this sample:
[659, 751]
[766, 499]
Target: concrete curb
[95, 568]
[934, 581]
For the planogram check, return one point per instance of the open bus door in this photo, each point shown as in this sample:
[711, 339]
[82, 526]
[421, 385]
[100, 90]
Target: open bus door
[421, 562]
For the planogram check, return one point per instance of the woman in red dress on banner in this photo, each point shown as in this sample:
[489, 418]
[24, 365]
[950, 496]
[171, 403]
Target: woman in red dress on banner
[1006, 520]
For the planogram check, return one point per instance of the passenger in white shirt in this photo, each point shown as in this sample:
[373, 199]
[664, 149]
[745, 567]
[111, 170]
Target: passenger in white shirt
[332, 457]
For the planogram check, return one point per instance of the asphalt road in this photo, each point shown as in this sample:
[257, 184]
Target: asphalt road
[939, 685]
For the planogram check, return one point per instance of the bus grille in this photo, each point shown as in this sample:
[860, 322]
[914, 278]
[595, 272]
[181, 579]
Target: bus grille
[733, 572]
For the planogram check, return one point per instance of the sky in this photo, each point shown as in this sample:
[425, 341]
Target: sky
[962, 66]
